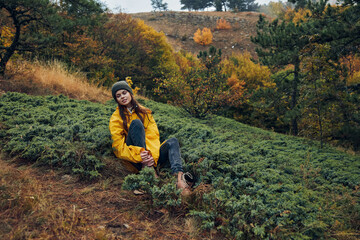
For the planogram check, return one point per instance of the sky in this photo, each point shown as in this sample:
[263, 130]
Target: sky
[134, 6]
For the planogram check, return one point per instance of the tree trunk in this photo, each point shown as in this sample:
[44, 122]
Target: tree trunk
[319, 115]
[294, 124]
[10, 50]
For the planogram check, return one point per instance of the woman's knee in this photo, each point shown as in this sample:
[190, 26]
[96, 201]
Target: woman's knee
[173, 142]
[136, 123]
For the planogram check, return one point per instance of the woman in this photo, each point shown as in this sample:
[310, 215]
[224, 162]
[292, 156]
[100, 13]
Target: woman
[136, 137]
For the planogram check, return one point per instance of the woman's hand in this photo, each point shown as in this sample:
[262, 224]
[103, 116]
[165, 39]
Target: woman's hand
[147, 159]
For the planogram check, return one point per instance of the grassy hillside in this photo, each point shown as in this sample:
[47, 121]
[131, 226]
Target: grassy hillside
[252, 184]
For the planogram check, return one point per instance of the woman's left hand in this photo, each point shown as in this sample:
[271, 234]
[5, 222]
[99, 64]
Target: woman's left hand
[147, 159]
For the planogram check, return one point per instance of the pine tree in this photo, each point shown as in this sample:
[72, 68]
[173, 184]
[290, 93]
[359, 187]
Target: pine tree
[159, 5]
[218, 5]
[196, 4]
[338, 25]
[281, 45]
[242, 5]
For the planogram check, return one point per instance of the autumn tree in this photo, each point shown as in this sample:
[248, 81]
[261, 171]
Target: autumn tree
[36, 23]
[277, 9]
[246, 78]
[352, 65]
[203, 37]
[222, 24]
[81, 50]
[22, 13]
[138, 50]
[220, 5]
[322, 102]
[199, 88]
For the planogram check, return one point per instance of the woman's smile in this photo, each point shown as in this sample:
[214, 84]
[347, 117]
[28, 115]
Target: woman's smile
[123, 97]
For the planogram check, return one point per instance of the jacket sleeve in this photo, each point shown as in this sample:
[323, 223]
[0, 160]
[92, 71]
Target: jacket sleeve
[118, 135]
[152, 137]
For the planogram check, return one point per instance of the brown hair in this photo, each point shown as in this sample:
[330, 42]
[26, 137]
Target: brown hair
[140, 111]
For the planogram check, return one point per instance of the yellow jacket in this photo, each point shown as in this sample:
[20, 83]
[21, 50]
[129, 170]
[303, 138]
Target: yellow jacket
[132, 153]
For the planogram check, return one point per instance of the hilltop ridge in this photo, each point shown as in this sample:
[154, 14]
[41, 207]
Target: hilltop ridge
[179, 28]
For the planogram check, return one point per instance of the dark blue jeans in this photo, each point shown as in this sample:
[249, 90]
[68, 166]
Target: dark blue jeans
[169, 151]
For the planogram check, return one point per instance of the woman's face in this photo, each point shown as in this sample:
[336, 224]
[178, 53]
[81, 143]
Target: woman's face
[123, 97]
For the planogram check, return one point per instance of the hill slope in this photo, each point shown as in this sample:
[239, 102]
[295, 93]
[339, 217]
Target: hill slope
[179, 28]
[252, 183]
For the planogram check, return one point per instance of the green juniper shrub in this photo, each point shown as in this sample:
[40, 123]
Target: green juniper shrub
[56, 131]
[165, 195]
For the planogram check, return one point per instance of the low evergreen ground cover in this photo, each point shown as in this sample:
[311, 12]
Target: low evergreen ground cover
[261, 185]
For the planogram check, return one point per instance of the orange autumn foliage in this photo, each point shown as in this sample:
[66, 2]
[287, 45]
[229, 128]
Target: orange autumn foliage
[237, 89]
[203, 37]
[352, 63]
[222, 24]
[255, 76]
[6, 36]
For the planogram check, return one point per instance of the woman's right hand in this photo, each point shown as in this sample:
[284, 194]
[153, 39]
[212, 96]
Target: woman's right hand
[147, 159]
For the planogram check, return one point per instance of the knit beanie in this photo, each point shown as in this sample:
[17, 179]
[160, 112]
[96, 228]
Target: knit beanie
[118, 86]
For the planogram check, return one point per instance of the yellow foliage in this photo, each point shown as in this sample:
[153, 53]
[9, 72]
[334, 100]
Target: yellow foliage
[277, 9]
[352, 63]
[203, 37]
[354, 79]
[129, 81]
[237, 89]
[157, 47]
[222, 24]
[297, 16]
[6, 36]
[253, 75]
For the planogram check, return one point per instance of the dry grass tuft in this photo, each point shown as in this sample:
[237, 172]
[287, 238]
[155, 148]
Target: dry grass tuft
[192, 227]
[39, 78]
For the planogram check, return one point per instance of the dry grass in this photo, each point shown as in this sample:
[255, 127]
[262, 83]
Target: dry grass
[45, 204]
[39, 78]
[28, 211]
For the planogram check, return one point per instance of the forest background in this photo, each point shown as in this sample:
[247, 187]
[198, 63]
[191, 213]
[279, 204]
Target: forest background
[298, 74]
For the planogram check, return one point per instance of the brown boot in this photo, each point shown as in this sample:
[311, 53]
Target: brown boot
[182, 184]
